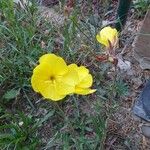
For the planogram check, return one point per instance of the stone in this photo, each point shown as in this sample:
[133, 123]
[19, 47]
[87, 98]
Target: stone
[142, 105]
[146, 99]
[146, 130]
[137, 82]
[141, 48]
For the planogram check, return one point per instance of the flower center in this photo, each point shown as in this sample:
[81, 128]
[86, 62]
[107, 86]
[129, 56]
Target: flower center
[52, 78]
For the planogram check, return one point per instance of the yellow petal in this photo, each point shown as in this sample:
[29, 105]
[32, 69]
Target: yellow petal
[102, 40]
[107, 34]
[44, 71]
[58, 65]
[113, 36]
[47, 58]
[35, 82]
[86, 82]
[82, 71]
[73, 67]
[85, 91]
[45, 87]
[49, 91]
[40, 73]
[66, 85]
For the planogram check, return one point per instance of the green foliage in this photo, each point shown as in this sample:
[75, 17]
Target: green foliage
[20, 45]
[121, 88]
[20, 40]
[117, 89]
[79, 132]
[141, 7]
[18, 34]
[18, 133]
[9, 95]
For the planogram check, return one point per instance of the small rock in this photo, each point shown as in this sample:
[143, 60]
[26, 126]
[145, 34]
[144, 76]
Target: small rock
[123, 65]
[20, 123]
[142, 105]
[146, 130]
[137, 82]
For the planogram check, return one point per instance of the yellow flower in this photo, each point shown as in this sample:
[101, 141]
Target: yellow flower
[52, 78]
[108, 36]
[85, 80]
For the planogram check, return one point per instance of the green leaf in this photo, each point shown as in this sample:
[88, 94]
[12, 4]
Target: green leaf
[6, 136]
[11, 94]
[51, 113]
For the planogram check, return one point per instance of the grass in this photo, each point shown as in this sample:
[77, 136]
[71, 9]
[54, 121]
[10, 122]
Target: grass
[27, 121]
[141, 7]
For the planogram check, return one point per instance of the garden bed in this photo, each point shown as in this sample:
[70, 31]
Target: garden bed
[102, 120]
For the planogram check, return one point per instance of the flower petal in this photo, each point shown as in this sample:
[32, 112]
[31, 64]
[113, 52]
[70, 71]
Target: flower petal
[107, 34]
[47, 58]
[82, 71]
[84, 91]
[66, 85]
[58, 65]
[45, 87]
[103, 40]
[35, 82]
[49, 91]
[41, 73]
[44, 71]
[86, 82]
